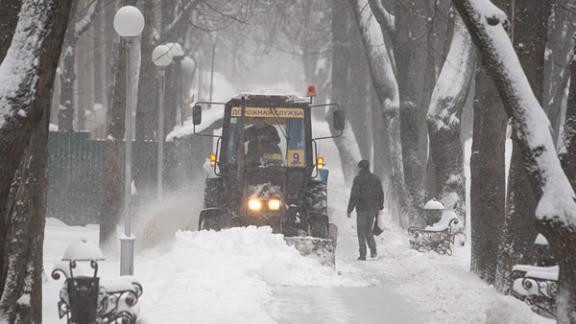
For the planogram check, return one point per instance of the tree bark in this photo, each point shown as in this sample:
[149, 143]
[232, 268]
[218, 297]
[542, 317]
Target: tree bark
[443, 120]
[30, 65]
[557, 62]
[530, 27]
[556, 211]
[488, 174]
[488, 177]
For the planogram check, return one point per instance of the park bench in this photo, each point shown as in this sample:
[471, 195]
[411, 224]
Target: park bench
[438, 237]
[537, 286]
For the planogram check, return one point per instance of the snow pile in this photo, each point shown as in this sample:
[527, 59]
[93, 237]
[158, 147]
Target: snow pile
[227, 276]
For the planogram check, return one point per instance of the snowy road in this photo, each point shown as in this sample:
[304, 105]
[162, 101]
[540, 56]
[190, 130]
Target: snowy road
[251, 276]
[341, 305]
[377, 303]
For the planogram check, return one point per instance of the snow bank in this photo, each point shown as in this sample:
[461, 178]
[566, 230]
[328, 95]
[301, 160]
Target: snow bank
[227, 276]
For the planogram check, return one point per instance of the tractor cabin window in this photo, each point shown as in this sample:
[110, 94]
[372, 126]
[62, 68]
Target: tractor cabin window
[272, 136]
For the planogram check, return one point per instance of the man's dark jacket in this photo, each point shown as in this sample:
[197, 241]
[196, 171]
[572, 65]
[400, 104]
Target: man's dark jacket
[367, 193]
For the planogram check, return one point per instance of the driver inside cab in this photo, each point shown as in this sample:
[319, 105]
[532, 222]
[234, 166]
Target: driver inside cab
[263, 143]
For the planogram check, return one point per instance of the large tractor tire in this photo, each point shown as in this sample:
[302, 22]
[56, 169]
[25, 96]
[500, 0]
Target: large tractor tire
[316, 199]
[213, 192]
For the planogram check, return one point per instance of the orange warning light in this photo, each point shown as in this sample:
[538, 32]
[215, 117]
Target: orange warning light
[311, 91]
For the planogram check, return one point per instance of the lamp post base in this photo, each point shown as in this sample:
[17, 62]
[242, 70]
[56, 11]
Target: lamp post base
[127, 256]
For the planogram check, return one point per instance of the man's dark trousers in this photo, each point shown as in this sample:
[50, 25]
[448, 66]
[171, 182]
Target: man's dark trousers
[364, 223]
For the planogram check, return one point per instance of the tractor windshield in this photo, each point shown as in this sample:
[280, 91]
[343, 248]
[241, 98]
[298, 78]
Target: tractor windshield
[272, 136]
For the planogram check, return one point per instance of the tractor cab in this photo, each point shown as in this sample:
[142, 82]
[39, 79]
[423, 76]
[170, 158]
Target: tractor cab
[267, 166]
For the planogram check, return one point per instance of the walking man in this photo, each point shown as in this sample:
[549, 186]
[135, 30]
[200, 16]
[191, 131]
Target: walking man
[367, 197]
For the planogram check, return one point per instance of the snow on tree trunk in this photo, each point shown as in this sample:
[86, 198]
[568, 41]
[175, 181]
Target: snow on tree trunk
[384, 81]
[530, 27]
[556, 211]
[443, 119]
[26, 80]
[347, 146]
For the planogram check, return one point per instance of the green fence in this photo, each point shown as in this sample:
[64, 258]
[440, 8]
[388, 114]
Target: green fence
[76, 167]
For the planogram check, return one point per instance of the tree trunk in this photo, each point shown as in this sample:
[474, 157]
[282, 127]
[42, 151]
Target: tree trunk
[67, 81]
[30, 65]
[346, 144]
[488, 174]
[410, 47]
[530, 27]
[443, 120]
[147, 111]
[99, 55]
[556, 211]
[557, 63]
[384, 81]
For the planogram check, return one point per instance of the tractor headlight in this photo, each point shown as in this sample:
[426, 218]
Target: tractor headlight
[254, 204]
[274, 203]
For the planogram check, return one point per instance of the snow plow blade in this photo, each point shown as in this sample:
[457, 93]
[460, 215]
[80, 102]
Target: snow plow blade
[324, 250]
[318, 248]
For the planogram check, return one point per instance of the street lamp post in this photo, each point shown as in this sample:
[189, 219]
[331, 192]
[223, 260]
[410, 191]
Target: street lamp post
[161, 57]
[129, 23]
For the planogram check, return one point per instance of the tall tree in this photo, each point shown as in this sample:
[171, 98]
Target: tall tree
[26, 78]
[488, 173]
[411, 53]
[77, 26]
[443, 120]
[556, 211]
[347, 147]
[530, 29]
[384, 81]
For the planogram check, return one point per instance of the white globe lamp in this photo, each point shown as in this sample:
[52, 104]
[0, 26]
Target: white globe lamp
[176, 50]
[129, 22]
[162, 56]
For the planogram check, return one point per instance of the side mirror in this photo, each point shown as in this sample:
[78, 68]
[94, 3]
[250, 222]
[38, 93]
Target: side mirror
[197, 115]
[339, 120]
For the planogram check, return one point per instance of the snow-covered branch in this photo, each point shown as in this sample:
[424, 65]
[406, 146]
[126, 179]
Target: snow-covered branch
[383, 16]
[443, 118]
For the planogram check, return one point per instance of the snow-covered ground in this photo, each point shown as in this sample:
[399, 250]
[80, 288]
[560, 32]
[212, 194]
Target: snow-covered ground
[251, 276]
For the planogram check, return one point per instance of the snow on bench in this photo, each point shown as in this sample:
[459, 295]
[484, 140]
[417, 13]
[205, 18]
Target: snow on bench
[439, 237]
